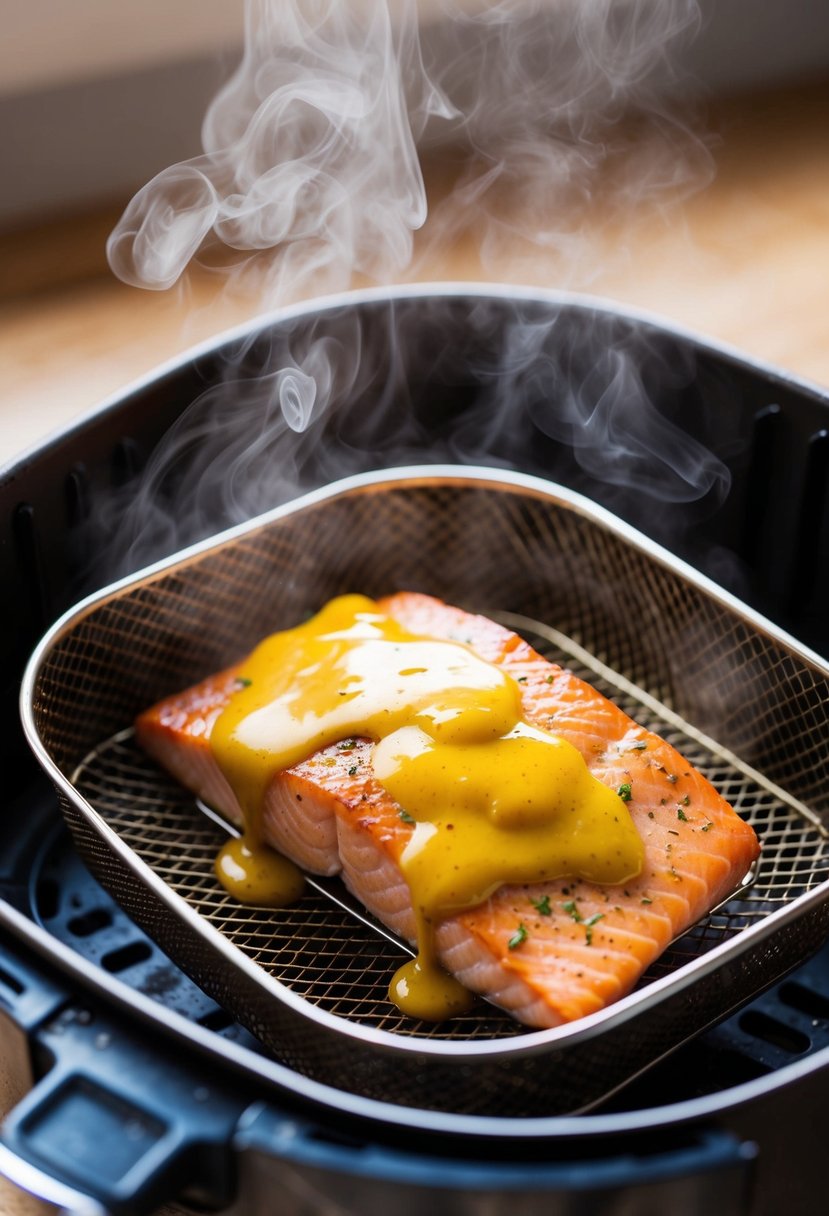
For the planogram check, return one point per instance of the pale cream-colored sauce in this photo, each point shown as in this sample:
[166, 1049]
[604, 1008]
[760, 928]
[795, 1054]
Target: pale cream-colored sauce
[493, 799]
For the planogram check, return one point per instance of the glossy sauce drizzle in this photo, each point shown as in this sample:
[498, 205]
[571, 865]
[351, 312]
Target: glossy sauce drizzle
[493, 799]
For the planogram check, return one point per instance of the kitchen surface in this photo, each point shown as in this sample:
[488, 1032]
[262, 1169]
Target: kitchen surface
[744, 260]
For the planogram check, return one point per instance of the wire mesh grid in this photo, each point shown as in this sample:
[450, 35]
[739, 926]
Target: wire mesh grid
[334, 960]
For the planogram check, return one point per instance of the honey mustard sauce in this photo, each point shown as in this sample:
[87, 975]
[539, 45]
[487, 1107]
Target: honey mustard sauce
[492, 798]
[256, 874]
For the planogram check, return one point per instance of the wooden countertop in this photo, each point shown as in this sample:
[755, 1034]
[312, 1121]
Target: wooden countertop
[745, 261]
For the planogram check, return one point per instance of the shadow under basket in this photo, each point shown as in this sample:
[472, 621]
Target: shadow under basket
[742, 701]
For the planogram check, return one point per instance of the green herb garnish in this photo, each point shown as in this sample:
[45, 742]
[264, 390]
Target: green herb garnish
[243, 682]
[405, 816]
[707, 826]
[571, 910]
[352, 770]
[347, 745]
[645, 900]
[542, 905]
[680, 814]
[624, 791]
[520, 935]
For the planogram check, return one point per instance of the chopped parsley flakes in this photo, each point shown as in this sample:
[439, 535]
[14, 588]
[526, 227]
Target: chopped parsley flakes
[624, 791]
[542, 905]
[588, 927]
[520, 935]
[572, 910]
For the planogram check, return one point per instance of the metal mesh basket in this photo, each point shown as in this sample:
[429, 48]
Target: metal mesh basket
[738, 699]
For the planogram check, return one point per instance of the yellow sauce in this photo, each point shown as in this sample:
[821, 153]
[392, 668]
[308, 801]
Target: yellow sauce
[255, 874]
[494, 799]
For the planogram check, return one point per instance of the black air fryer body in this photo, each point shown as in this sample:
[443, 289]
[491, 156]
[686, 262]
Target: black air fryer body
[138, 1086]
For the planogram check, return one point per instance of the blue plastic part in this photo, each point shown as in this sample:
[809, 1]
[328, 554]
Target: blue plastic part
[87, 1130]
[27, 995]
[119, 1118]
[81, 914]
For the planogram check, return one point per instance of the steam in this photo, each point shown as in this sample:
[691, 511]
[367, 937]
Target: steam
[309, 150]
[313, 173]
[313, 149]
[570, 394]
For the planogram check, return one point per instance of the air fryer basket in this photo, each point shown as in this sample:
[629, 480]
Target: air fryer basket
[737, 697]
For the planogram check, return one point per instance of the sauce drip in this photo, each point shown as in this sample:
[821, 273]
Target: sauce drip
[255, 874]
[493, 799]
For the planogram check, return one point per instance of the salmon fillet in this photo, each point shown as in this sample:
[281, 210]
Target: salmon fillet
[548, 953]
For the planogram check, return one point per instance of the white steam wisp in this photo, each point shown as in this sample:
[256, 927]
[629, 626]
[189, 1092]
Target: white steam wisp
[312, 150]
[309, 150]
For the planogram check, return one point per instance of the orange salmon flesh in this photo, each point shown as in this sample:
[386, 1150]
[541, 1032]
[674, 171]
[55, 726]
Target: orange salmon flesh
[585, 945]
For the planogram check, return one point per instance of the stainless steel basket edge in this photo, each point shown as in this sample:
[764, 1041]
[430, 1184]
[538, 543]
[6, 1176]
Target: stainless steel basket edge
[83, 817]
[412, 475]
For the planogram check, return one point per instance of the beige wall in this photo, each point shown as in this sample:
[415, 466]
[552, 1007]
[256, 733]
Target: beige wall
[50, 43]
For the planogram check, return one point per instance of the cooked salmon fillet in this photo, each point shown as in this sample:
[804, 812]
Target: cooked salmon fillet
[548, 953]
